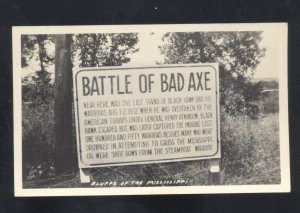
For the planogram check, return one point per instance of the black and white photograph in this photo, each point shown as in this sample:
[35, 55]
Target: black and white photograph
[150, 109]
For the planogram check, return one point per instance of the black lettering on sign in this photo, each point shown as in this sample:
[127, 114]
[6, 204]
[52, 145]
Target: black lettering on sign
[85, 86]
[95, 85]
[173, 83]
[145, 83]
[196, 81]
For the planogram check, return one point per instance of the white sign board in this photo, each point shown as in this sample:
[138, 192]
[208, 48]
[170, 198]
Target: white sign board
[146, 114]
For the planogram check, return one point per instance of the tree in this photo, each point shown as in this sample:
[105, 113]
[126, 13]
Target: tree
[63, 154]
[27, 47]
[238, 54]
[105, 49]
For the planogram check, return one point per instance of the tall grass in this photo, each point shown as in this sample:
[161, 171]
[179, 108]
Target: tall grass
[250, 150]
[250, 153]
[37, 140]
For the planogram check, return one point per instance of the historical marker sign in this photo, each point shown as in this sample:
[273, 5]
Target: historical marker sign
[146, 114]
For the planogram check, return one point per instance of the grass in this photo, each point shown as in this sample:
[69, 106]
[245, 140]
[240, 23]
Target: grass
[37, 139]
[251, 150]
[250, 155]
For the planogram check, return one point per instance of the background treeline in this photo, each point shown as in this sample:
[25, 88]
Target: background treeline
[242, 101]
[270, 97]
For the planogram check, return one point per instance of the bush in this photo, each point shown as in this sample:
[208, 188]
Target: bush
[270, 102]
[38, 140]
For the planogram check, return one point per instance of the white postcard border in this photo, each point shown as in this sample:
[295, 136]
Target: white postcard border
[279, 28]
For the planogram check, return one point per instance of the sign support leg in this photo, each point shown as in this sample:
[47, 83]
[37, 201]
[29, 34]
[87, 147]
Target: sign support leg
[84, 175]
[214, 171]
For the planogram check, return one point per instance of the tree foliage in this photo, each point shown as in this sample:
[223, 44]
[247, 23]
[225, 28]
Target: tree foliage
[106, 49]
[32, 45]
[238, 54]
[37, 87]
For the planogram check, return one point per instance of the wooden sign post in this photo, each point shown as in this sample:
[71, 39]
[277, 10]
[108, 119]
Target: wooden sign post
[214, 171]
[139, 115]
[84, 175]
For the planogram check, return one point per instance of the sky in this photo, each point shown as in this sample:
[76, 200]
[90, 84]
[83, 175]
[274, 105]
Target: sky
[149, 54]
[268, 67]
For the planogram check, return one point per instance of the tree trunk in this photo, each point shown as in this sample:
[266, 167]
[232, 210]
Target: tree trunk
[64, 157]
